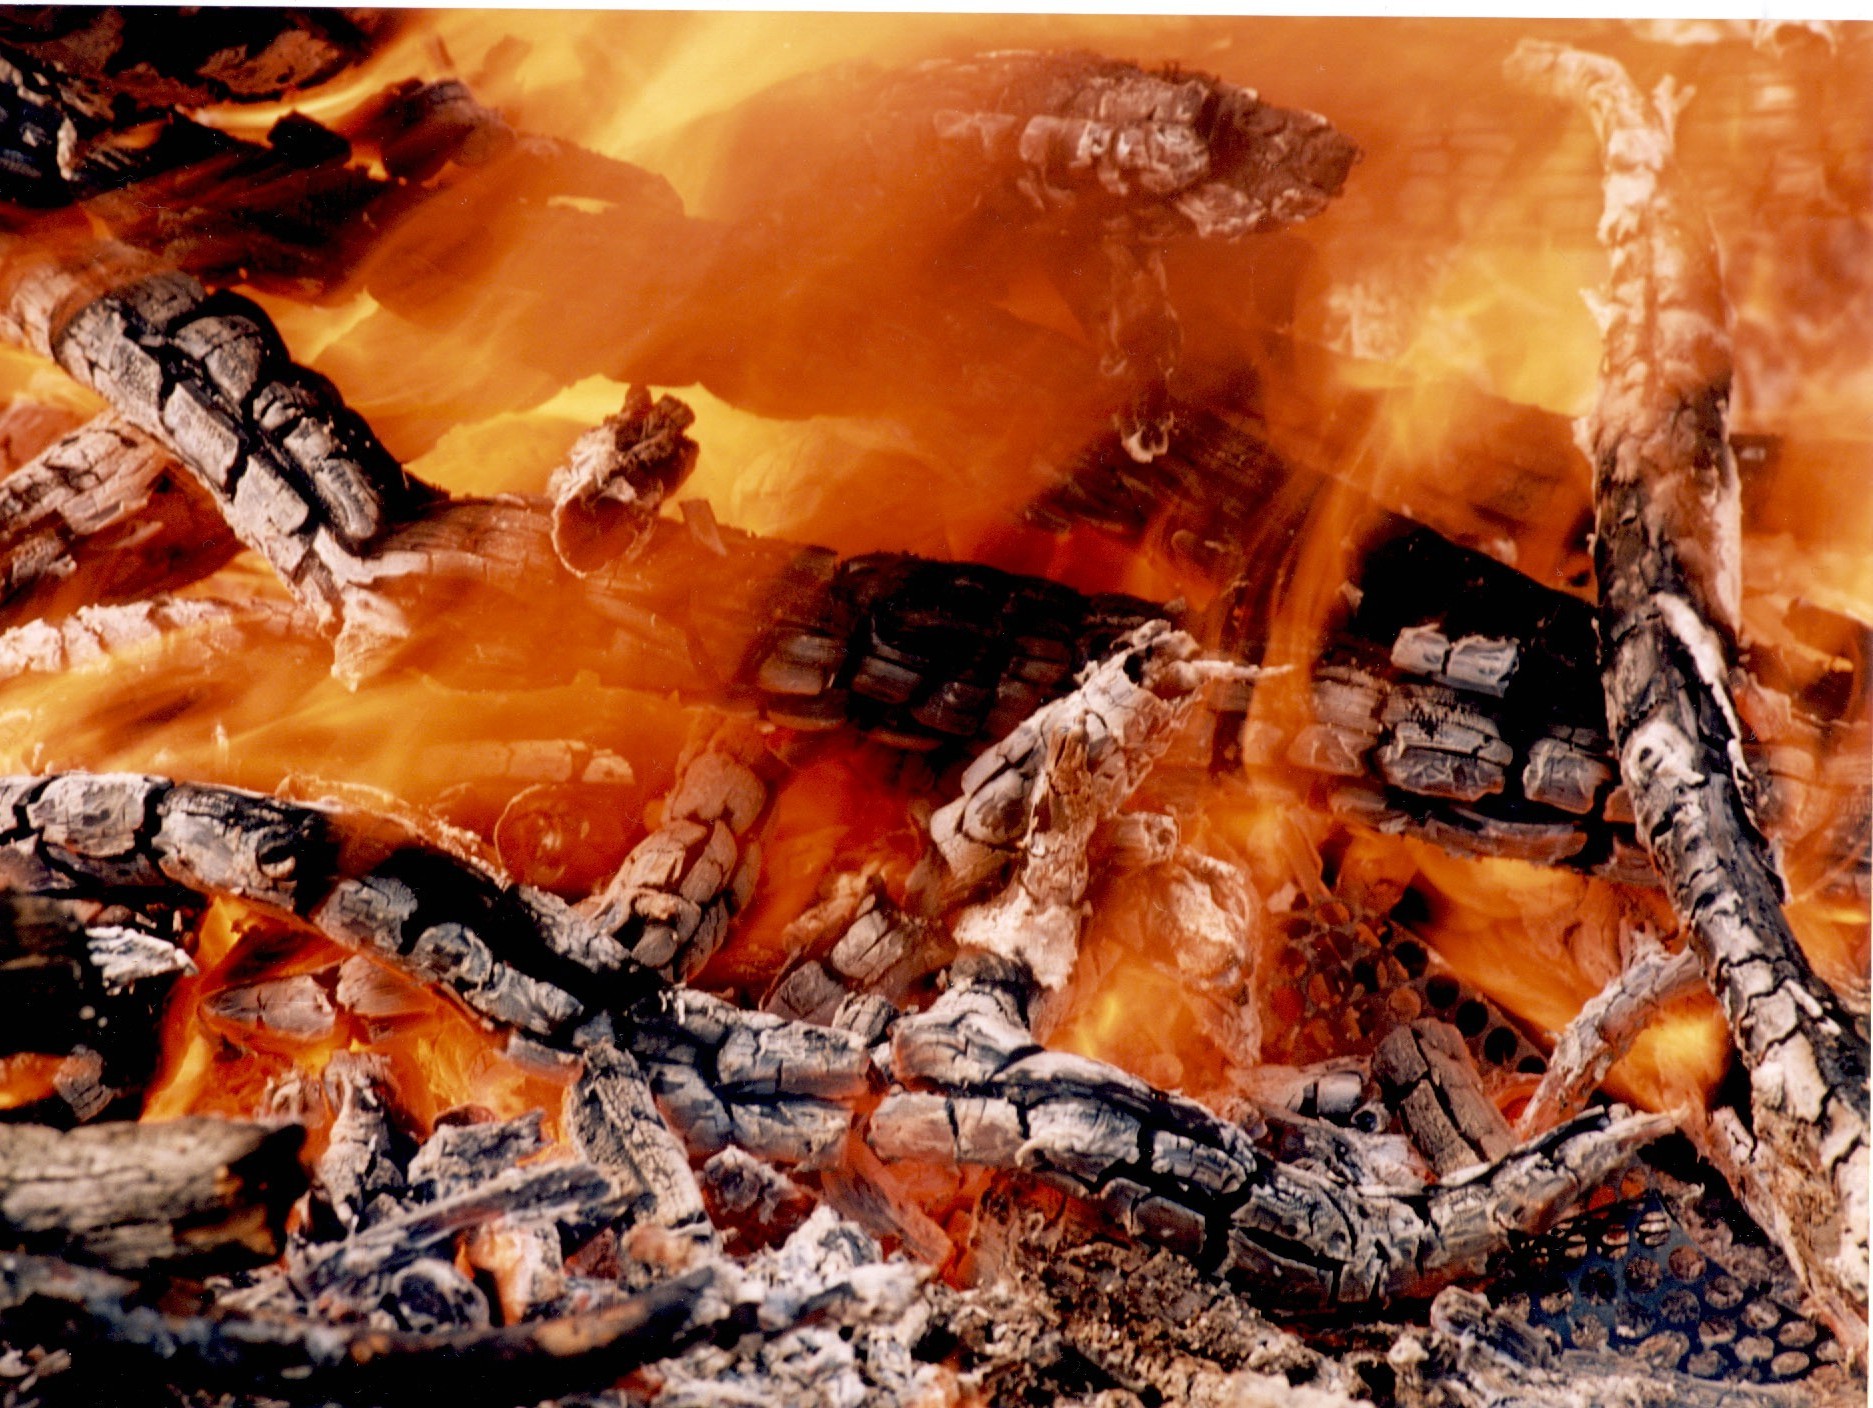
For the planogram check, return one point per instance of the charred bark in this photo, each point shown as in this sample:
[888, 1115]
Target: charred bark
[1667, 516]
[188, 1195]
[513, 956]
[1170, 1172]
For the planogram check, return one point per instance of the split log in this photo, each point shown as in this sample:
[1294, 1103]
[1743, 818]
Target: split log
[1030, 804]
[611, 1117]
[189, 1195]
[1667, 548]
[857, 958]
[513, 956]
[1427, 1076]
[1170, 1172]
[359, 1174]
[1604, 1030]
[186, 629]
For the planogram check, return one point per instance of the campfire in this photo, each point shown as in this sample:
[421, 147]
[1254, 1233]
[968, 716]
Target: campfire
[720, 709]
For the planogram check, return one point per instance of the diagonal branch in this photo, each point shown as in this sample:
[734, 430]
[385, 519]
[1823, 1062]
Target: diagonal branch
[1667, 549]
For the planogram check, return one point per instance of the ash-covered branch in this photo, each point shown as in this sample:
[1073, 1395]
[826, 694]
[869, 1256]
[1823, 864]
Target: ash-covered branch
[1170, 1172]
[1604, 1030]
[1667, 551]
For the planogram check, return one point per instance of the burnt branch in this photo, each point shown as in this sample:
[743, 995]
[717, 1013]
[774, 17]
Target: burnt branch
[1604, 1030]
[190, 1194]
[513, 956]
[1667, 516]
[1170, 1172]
[1427, 1076]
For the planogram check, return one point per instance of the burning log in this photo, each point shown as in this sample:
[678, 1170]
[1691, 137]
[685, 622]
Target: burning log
[1169, 1171]
[191, 1194]
[437, 916]
[1667, 519]
[98, 478]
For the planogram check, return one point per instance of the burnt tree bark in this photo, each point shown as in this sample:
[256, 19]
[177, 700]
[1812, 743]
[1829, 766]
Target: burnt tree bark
[1667, 518]
[186, 1195]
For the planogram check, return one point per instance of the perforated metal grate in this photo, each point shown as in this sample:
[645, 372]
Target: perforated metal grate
[1628, 1277]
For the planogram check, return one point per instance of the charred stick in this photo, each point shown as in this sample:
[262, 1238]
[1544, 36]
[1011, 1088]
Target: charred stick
[1603, 1031]
[780, 1090]
[858, 955]
[190, 1194]
[611, 1117]
[514, 956]
[1667, 516]
[1169, 1171]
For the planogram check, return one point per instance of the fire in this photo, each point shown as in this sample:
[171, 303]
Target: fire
[875, 367]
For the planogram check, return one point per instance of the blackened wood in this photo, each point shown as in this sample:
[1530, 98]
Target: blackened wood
[1427, 1076]
[359, 1174]
[1170, 1172]
[86, 982]
[167, 56]
[1667, 556]
[189, 1194]
[302, 1359]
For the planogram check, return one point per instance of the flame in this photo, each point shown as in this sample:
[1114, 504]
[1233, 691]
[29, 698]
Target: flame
[860, 384]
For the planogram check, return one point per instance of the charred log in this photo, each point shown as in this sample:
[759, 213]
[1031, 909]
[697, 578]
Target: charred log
[84, 984]
[1667, 518]
[170, 57]
[515, 957]
[1169, 1171]
[193, 1194]
[616, 477]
